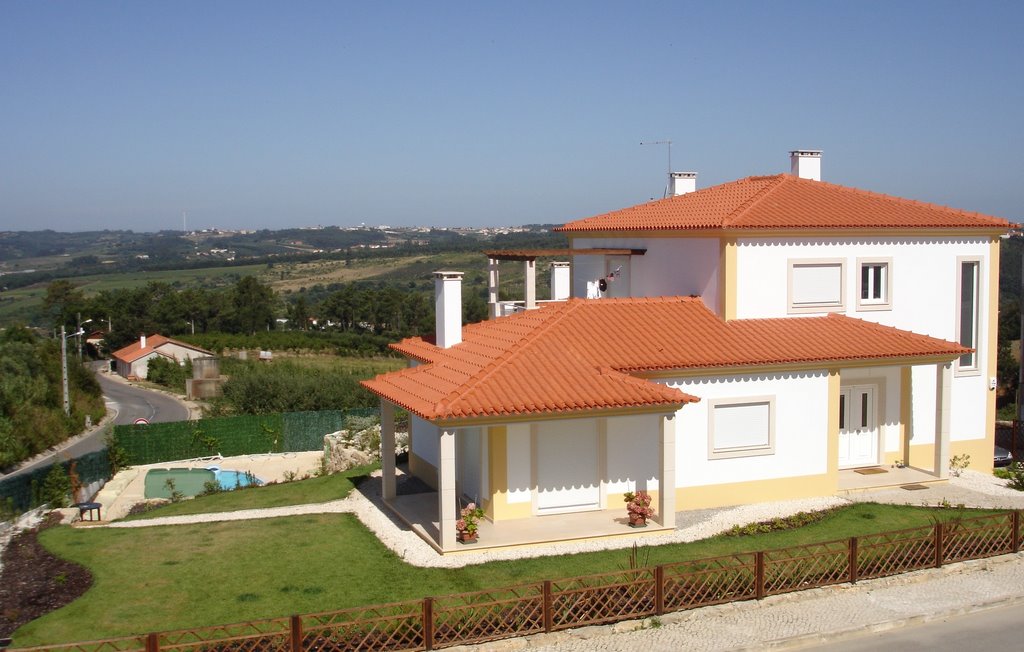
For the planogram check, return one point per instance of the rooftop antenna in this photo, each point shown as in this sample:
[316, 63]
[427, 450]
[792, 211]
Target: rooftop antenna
[668, 177]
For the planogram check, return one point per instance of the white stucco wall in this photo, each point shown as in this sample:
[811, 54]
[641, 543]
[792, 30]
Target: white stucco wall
[632, 453]
[671, 267]
[180, 353]
[425, 437]
[801, 428]
[924, 300]
[518, 460]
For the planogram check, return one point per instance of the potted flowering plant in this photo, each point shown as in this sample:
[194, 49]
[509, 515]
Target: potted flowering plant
[468, 522]
[638, 507]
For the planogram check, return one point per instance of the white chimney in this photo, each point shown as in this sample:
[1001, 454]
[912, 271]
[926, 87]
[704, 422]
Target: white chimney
[559, 281]
[447, 308]
[142, 342]
[682, 182]
[806, 163]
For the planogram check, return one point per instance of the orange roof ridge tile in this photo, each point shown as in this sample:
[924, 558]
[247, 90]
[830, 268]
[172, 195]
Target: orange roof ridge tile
[776, 180]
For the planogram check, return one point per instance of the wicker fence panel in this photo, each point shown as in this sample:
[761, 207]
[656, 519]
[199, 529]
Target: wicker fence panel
[488, 615]
[127, 644]
[257, 636]
[705, 582]
[393, 627]
[805, 567]
[603, 598]
[891, 553]
[973, 538]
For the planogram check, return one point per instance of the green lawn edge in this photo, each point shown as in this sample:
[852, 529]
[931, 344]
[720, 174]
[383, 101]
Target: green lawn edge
[171, 577]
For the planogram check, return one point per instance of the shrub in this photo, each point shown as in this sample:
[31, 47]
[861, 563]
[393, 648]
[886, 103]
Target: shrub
[56, 488]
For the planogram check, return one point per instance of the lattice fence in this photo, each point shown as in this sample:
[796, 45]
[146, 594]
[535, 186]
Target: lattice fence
[552, 605]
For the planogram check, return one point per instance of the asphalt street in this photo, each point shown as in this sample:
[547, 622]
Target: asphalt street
[128, 402]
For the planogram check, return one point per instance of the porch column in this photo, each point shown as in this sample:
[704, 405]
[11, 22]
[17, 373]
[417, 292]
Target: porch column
[530, 283]
[943, 378]
[387, 448]
[447, 513]
[492, 288]
[667, 482]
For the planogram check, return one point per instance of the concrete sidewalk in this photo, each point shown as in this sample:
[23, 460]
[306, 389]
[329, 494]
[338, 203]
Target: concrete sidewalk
[803, 619]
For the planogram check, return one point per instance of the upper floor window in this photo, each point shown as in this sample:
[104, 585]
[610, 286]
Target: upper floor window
[874, 285]
[968, 308]
[816, 285]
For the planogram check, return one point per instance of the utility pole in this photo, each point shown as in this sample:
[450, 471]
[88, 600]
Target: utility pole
[64, 370]
[1020, 356]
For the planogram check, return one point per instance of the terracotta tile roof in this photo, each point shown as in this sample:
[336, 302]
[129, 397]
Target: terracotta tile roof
[783, 201]
[579, 356]
[134, 351]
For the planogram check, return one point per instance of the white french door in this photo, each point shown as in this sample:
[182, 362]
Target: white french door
[858, 426]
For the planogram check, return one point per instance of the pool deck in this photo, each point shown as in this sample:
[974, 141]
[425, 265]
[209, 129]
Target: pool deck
[128, 487]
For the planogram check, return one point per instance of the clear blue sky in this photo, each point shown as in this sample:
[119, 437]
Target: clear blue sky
[268, 115]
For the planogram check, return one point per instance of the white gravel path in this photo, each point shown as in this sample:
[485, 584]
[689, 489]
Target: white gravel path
[972, 489]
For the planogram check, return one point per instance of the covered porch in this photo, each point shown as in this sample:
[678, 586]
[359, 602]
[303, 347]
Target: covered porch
[885, 477]
[419, 512]
[431, 509]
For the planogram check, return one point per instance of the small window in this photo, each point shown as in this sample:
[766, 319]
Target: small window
[816, 285]
[968, 289]
[874, 285]
[741, 428]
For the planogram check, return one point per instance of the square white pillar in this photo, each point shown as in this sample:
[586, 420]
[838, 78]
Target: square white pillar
[530, 283]
[667, 481]
[387, 449]
[493, 280]
[447, 505]
[943, 380]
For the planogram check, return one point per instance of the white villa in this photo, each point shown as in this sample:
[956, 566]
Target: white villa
[133, 360]
[759, 340]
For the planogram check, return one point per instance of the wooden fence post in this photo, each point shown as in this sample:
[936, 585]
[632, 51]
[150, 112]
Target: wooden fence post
[153, 643]
[548, 616]
[296, 627]
[853, 559]
[759, 574]
[428, 623]
[1016, 530]
[659, 589]
[938, 545]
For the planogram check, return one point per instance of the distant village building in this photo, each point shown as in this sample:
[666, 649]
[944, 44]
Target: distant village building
[133, 360]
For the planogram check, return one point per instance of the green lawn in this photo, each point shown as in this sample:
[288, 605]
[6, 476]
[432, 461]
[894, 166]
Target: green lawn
[170, 577]
[313, 490]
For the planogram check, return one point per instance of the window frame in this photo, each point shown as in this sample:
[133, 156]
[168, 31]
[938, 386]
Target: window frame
[803, 308]
[973, 369]
[874, 304]
[741, 451]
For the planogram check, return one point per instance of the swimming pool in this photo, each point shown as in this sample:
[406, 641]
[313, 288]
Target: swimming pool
[190, 482]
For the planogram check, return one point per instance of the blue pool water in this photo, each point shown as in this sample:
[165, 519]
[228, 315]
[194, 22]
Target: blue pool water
[234, 479]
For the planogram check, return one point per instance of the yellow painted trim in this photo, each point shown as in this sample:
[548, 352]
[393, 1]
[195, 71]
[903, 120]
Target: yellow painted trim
[906, 415]
[758, 491]
[819, 365]
[499, 509]
[922, 456]
[992, 344]
[795, 233]
[423, 470]
[727, 275]
[834, 389]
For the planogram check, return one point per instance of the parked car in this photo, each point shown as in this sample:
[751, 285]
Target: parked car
[1003, 457]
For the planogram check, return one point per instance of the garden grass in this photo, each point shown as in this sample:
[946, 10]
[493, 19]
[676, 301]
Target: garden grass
[172, 577]
[300, 492]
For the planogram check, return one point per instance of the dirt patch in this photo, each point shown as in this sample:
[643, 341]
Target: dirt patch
[34, 582]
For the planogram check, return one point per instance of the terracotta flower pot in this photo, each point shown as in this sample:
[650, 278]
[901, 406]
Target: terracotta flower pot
[637, 521]
[467, 537]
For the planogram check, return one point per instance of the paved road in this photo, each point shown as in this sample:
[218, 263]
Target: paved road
[992, 629]
[127, 402]
[131, 402]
